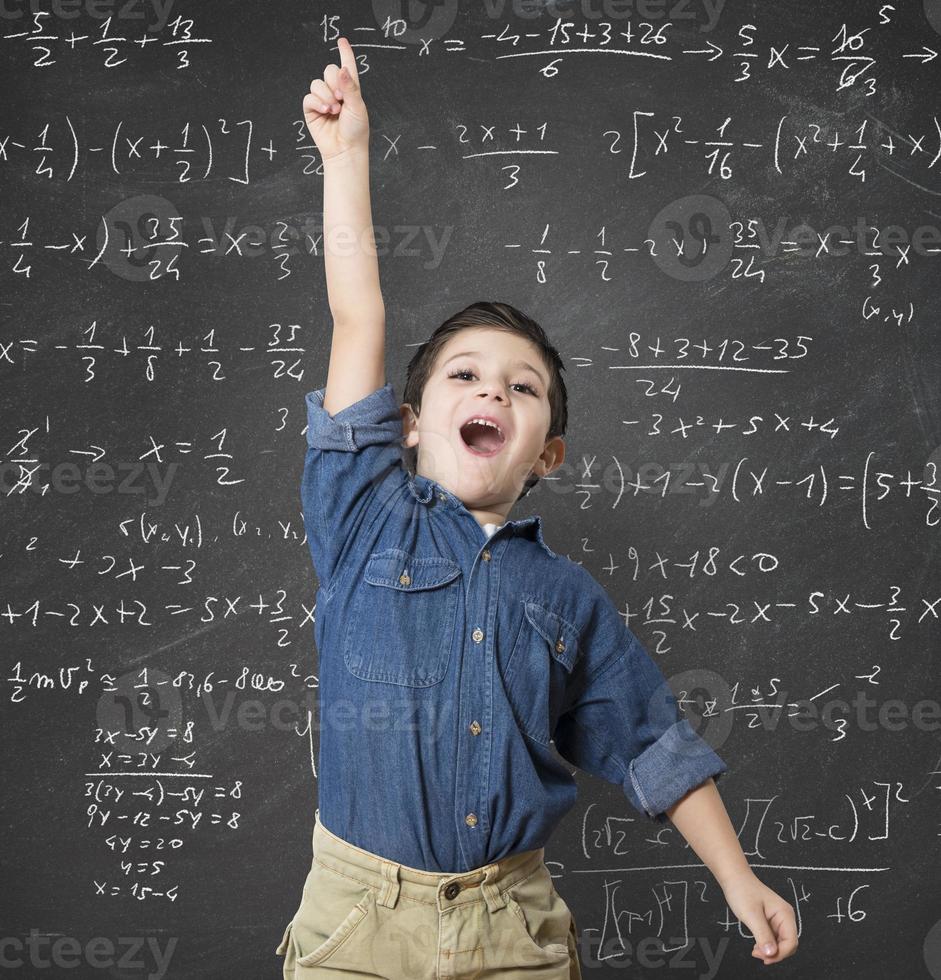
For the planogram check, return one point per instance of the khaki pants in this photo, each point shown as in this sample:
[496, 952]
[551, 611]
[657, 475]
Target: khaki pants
[362, 916]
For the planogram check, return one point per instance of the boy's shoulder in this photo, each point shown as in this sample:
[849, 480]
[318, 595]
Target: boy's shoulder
[578, 576]
[574, 594]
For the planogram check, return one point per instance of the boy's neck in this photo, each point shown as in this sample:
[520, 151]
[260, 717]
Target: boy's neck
[486, 517]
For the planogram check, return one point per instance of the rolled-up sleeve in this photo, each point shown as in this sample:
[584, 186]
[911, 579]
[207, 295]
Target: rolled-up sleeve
[622, 724]
[349, 456]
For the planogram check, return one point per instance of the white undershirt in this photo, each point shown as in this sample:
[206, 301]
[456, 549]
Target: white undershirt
[491, 529]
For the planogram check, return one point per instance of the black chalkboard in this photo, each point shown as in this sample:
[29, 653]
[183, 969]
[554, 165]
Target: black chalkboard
[725, 215]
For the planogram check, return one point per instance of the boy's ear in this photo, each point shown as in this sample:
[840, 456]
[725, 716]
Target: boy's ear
[551, 457]
[409, 426]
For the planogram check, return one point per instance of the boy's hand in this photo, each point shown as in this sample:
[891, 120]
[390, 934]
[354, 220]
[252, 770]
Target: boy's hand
[768, 917]
[334, 110]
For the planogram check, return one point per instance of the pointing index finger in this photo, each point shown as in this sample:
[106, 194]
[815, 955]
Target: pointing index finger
[347, 58]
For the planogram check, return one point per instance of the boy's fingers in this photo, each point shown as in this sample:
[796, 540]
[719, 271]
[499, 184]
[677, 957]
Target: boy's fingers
[342, 86]
[344, 81]
[787, 931]
[314, 108]
[347, 58]
[781, 927]
[331, 77]
[319, 98]
[321, 90]
[765, 940]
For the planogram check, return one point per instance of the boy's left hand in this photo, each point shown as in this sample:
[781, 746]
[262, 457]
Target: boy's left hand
[768, 917]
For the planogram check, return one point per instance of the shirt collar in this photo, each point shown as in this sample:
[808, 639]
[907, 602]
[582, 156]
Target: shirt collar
[424, 489]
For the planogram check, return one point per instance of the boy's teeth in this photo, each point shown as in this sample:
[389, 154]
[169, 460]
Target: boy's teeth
[483, 421]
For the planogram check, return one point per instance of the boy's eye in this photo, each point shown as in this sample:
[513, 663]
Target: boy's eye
[523, 384]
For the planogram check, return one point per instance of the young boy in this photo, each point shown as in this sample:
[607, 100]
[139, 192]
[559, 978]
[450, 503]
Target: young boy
[456, 648]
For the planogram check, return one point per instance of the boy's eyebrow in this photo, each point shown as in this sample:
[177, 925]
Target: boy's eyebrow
[476, 353]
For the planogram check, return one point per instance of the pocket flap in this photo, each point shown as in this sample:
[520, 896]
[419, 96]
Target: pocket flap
[397, 569]
[561, 636]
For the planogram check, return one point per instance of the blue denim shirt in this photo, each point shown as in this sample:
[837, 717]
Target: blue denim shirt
[451, 662]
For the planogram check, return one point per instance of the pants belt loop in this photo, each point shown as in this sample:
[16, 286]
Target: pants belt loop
[492, 895]
[389, 894]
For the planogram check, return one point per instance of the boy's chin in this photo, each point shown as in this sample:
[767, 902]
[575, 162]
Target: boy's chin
[486, 495]
[479, 490]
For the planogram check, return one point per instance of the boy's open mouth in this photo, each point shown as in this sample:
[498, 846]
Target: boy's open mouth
[482, 438]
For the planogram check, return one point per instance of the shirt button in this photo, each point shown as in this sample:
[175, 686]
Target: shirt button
[471, 820]
[478, 635]
[441, 496]
[404, 579]
[486, 554]
[452, 890]
[560, 646]
[475, 727]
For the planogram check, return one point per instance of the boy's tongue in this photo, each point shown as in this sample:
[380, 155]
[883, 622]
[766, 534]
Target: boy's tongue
[483, 438]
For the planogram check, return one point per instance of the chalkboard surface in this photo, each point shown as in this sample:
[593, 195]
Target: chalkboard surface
[727, 218]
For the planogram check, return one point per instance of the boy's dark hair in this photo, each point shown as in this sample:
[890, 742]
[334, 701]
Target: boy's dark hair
[500, 316]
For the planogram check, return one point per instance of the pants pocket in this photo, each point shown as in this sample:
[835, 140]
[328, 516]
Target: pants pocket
[541, 918]
[329, 922]
[286, 949]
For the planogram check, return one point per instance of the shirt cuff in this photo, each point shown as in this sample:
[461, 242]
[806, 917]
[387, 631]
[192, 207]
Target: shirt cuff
[669, 768]
[373, 420]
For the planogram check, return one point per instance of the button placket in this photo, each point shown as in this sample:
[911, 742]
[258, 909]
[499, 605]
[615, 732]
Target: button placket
[478, 608]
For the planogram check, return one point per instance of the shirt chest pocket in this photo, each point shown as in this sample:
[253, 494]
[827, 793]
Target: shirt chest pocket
[402, 619]
[537, 670]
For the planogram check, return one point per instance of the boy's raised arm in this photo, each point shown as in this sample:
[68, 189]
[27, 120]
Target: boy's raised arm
[336, 118]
